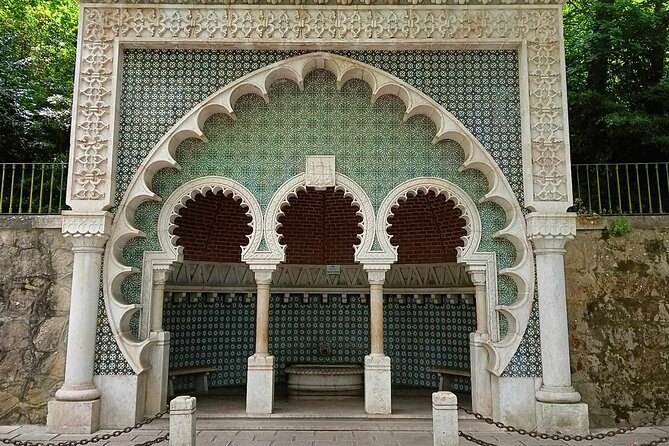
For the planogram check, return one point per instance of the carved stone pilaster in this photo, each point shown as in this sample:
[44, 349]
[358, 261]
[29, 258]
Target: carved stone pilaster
[88, 231]
[549, 232]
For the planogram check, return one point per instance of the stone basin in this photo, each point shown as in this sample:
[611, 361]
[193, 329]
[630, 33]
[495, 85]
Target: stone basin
[320, 380]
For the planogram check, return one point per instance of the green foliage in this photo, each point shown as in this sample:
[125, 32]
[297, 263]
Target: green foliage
[617, 73]
[619, 227]
[618, 77]
[37, 58]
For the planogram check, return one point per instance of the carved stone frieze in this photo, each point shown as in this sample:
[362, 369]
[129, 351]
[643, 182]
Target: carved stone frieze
[203, 24]
[210, 276]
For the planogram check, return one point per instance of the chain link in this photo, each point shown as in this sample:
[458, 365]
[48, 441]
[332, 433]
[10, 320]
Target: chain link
[556, 437]
[154, 441]
[96, 438]
[474, 440]
[656, 442]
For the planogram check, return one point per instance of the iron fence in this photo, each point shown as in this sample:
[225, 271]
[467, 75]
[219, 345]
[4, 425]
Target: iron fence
[32, 188]
[604, 189]
[621, 189]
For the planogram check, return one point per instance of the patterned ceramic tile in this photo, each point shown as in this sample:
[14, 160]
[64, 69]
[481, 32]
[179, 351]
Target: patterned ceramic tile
[159, 86]
[416, 337]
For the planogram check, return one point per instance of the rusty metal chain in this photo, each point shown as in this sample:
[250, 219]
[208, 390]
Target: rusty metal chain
[94, 439]
[556, 437]
[474, 440]
[154, 441]
[656, 442]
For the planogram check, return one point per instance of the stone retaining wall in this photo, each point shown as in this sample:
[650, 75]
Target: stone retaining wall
[618, 303]
[35, 278]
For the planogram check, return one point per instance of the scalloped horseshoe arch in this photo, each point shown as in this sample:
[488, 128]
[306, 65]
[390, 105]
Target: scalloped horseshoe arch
[258, 82]
[119, 312]
[351, 189]
[501, 351]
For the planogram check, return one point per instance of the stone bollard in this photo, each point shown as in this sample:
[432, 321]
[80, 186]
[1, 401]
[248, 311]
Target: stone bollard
[445, 419]
[182, 421]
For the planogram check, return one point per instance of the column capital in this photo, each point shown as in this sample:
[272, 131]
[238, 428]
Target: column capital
[376, 274]
[550, 231]
[477, 273]
[78, 223]
[263, 271]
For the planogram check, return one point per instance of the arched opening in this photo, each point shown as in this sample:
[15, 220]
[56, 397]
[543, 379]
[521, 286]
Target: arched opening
[318, 290]
[207, 309]
[427, 320]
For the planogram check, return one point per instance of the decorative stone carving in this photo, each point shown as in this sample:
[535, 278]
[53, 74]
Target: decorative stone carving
[201, 25]
[550, 232]
[289, 189]
[500, 350]
[120, 312]
[272, 252]
[320, 172]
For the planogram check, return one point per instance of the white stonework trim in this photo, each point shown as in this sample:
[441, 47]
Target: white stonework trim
[534, 26]
[258, 82]
[276, 251]
[120, 313]
[500, 351]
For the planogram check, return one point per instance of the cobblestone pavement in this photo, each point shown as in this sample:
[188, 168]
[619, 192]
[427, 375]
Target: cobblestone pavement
[384, 435]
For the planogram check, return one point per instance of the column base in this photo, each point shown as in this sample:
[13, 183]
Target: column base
[260, 384]
[563, 418]
[377, 385]
[73, 417]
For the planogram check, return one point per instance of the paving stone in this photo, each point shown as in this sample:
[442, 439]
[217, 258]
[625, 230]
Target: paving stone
[8, 429]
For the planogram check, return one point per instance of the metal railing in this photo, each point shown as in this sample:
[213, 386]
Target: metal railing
[604, 189]
[32, 188]
[621, 189]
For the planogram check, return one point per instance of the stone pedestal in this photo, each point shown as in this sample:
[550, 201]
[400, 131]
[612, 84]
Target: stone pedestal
[445, 419]
[183, 421]
[377, 385]
[260, 384]
[564, 418]
[73, 417]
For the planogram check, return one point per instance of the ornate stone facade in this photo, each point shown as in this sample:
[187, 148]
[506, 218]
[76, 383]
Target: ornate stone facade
[535, 30]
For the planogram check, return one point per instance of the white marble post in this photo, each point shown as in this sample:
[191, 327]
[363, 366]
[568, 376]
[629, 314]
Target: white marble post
[481, 379]
[558, 407]
[445, 419]
[183, 421]
[260, 373]
[77, 405]
[377, 364]
[156, 388]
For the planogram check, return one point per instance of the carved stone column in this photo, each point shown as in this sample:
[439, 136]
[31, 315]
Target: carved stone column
[77, 405]
[557, 401]
[156, 388]
[377, 364]
[260, 374]
[481, 379]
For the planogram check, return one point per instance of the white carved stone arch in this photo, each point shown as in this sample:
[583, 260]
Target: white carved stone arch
[351, 189]
[136, 351]
[500, 351]
[258, 83]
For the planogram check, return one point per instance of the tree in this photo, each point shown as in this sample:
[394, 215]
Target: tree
[618, 78]
[37, 59]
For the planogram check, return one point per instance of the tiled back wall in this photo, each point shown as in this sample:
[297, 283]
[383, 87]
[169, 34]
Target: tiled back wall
[416, 336]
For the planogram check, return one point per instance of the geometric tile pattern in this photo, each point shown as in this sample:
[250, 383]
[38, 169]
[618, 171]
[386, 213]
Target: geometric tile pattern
[416, 336]
[479, 87]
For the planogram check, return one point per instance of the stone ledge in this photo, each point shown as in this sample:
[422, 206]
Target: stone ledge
[599, 223]
[30, 221]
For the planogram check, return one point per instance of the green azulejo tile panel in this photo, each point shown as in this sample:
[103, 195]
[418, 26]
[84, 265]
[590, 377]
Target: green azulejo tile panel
[418, 336]
[268, 143]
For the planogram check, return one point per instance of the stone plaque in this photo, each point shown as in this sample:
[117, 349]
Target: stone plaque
[320, 172]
